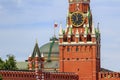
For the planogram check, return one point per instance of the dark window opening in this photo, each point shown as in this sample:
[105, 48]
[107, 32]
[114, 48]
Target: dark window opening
[68, 58]
[86, 58]
[77, 58]
[68, 49]
[77, 49]
[88, 37]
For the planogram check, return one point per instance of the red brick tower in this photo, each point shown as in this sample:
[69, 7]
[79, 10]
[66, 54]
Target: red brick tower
[36, 59]
[79, 44]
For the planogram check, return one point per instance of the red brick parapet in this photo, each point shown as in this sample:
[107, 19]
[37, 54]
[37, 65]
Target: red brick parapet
[31, 75]
[60, 76]
[17, 75]
[109, 76]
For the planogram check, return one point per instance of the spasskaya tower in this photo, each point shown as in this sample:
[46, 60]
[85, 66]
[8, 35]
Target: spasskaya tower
[79, 43]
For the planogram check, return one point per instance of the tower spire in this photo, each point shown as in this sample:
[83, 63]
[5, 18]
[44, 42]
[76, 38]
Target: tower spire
[69, 32]
[98, 28]
[77, 33]
[93, 28]
[61, 30]
[36, 41]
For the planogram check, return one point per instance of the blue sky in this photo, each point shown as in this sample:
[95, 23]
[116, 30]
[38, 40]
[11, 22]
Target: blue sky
[24, 21]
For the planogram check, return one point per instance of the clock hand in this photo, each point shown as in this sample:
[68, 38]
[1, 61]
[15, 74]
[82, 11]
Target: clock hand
[76, 18]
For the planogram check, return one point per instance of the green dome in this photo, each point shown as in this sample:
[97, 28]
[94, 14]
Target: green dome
[45, 48]
[53, 56]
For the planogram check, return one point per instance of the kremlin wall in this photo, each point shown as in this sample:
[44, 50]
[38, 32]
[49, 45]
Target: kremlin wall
[74, 56]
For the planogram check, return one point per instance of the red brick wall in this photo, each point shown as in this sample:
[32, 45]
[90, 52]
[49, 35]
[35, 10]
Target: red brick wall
[18, 75]
[31, 75]
[60, 76]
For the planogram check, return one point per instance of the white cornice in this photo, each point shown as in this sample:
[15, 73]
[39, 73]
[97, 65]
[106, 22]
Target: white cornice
[79, 43]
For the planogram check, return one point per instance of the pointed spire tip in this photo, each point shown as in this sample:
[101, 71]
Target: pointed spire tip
[36, 41]
[42, 55]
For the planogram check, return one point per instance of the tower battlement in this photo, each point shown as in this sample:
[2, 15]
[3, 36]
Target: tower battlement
[109, 76]
[79, 1]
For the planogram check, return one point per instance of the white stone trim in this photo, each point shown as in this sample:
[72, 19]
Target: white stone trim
[93, 35]
[79, 43]
[60, 36]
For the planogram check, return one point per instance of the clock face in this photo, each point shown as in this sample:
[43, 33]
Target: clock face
[77, 19]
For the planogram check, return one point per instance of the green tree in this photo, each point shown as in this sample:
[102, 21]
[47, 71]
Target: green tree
[1, 63]
[10, 63]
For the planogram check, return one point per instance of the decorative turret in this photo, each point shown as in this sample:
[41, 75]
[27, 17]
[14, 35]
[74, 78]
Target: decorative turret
[77, 33]
[88, 25]
[67, 25]
[77, 36]
[71, 26]
[30, 62]
[93, 35]
[69, 33]
[37, 65]
[61, 31]
[84, 25]
[66, 30]
[61, 34]
[42, 61]
[81, 31]
[37, 62]
[86, 32]
[34, 59]
[93, 30]
[97, 31]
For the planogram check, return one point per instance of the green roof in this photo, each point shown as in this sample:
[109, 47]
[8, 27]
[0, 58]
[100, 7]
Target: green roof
[22, 65]
[52, 64]
[45, 48]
